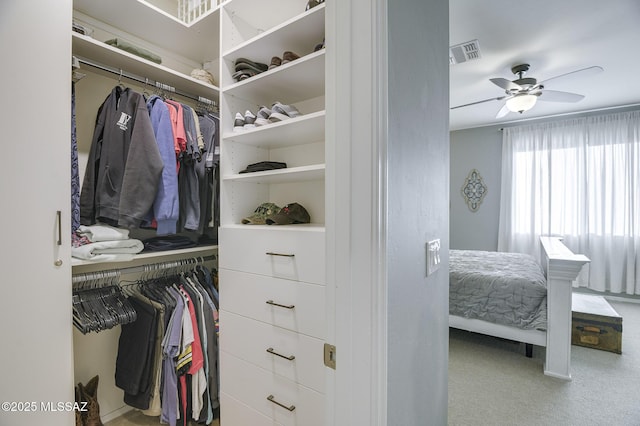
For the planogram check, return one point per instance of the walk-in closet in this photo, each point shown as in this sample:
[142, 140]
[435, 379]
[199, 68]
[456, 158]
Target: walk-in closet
[212, 58]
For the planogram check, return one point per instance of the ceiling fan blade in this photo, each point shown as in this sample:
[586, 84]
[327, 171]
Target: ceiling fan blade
[556, 96]
[505, 84]
[584, 72]
[479, 102]
[503, 111]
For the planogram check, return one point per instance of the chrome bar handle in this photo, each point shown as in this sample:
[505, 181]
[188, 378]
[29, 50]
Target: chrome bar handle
[273, 399]
[59, 220]
[273, 352]
[270, 253]
[271, 302]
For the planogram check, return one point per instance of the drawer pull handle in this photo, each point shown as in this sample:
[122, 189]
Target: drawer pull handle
[271, 302]
[273, 399]
[272, 352]
[270, 253]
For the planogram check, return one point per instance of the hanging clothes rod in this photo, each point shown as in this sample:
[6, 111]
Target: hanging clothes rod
[151, 267]
[146, 81]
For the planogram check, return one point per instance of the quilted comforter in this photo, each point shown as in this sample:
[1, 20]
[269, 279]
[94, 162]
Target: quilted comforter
[503, 288]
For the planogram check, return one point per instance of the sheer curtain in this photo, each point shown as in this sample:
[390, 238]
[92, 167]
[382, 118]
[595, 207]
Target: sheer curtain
[579, 179]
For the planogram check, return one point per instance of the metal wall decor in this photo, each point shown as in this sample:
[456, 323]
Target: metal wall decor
[473, 190]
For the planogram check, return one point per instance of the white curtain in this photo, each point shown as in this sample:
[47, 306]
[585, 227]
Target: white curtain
[579, 179]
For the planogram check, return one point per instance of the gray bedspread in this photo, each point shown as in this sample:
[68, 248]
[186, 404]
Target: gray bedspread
[503, 288]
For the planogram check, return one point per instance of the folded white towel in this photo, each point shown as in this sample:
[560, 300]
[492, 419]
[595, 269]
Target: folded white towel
[108, 250]
[96, 233]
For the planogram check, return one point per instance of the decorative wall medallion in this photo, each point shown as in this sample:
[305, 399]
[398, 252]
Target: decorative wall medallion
[473, 190]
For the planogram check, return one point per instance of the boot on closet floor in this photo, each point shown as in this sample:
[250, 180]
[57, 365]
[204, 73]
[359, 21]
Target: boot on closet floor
[78, 413]
[89, 394]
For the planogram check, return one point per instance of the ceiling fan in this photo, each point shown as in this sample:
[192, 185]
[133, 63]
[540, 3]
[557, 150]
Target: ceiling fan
[522, 93]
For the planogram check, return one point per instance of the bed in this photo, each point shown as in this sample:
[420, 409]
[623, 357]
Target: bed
[511, 296]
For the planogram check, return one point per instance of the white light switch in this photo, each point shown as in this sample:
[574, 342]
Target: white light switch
[433, 256]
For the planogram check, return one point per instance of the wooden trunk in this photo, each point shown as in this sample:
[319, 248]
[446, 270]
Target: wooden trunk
[595, 324]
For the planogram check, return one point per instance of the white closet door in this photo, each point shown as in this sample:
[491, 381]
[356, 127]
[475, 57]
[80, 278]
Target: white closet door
[35, 307]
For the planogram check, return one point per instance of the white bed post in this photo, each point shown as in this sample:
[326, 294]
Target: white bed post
[561, 267]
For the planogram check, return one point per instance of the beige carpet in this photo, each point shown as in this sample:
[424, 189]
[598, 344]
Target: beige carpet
[491, 382]
[136, 418]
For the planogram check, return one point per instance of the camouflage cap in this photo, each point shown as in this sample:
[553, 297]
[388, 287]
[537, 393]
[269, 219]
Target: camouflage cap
[289, 214]
[261, 213]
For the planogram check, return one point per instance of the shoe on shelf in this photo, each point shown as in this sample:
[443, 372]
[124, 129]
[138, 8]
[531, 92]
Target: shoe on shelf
[288, 57]
[319, 46]
[275, 62]
[249, 120]
[243, 63]
[281, 112]
[238, 124]
[313, 3]
[243, 74]
[262, 117]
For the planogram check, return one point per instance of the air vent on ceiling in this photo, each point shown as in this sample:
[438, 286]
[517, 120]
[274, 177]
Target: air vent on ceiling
[464, 52]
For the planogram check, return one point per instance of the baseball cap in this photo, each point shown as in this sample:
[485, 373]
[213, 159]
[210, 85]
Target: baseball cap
[261, 213]
[289, 214]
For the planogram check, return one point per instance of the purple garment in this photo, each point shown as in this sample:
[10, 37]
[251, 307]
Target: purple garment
[166, 205]
[170, 349]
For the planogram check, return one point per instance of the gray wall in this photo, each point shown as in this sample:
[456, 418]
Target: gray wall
[418, 199]
[479, 149]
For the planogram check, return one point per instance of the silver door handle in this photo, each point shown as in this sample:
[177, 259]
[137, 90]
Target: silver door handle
[271, 302]
[273, 352]
[270, 253]
[273, 399]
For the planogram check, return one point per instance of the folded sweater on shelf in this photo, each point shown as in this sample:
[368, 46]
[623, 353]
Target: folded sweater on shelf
[108, 251]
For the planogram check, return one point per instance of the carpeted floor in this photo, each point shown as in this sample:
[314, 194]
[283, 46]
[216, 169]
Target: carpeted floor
[491, 382]
[135, 418]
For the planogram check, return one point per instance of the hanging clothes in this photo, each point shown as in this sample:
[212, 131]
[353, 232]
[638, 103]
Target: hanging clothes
[75, 173]
[124, 167]
[187, 177]
[166, 208]
[176, 371]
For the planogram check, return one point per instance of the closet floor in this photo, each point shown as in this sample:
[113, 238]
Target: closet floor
[136, 418]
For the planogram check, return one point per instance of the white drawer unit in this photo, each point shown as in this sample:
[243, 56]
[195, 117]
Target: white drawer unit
[287, 402]
[272, 278]
[292, 254]
[236, 413]
[293, 305]
[292, 355]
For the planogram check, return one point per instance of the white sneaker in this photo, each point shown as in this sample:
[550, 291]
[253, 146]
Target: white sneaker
[238, 124]
[249, 120]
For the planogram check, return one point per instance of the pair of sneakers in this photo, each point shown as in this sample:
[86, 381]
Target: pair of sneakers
[277, 112]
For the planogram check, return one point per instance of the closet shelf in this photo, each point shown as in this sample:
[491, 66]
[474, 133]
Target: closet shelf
[302, 227]
[80, 266]
[290, 174]
[197, 41]
[307, 128]
[299, 34]
[296, 81]
[93, 50]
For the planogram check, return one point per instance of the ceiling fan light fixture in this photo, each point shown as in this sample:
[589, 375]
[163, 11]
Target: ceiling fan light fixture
[521, 103]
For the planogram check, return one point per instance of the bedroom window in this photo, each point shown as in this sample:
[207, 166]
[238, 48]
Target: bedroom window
[580, 179]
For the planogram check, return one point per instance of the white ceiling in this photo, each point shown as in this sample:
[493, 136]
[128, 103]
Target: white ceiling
[554, 37]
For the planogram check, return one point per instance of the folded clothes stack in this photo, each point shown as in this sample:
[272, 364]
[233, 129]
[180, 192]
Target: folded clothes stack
[264, 166]
[104, 243]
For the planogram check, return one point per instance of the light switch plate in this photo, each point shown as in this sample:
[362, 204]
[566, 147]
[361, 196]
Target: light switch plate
[433, 256]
